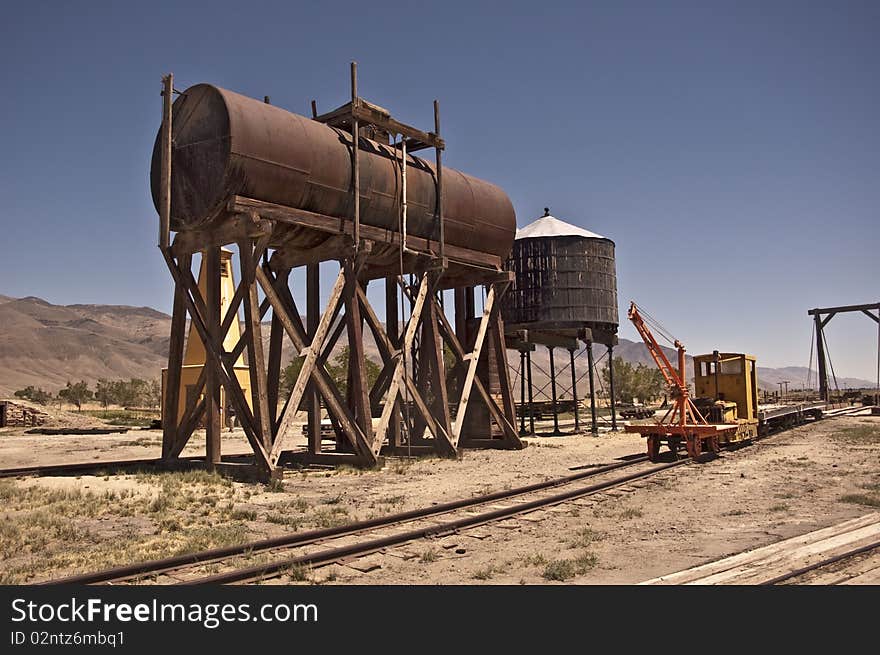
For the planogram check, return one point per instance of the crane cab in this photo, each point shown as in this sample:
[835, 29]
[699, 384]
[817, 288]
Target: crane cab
[726, 390]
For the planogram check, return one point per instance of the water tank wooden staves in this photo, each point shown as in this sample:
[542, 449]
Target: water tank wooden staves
[566, 282]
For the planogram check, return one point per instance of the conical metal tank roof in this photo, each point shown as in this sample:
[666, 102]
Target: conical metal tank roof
[550, 226]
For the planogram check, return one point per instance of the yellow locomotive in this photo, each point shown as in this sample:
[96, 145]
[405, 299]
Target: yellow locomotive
[726, 392]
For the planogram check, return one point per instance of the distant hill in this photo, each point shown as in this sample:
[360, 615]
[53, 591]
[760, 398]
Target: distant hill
[46, 345]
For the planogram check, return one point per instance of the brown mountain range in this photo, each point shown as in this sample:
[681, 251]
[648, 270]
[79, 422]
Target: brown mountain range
[46, 345]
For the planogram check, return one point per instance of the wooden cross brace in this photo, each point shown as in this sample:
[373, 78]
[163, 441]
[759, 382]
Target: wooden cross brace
[223, 363]
[285, 310]
[489, 318]
[399, 376]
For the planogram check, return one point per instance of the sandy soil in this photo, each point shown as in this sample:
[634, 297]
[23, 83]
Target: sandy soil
[792, 483]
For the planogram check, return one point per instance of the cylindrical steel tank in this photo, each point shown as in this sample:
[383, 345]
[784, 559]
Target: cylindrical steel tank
[225, 143]
[565, 280]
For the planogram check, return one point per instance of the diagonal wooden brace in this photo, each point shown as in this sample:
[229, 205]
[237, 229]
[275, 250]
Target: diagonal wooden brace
[311, 355]
[213, 350]
[401, 375]
[321, 378]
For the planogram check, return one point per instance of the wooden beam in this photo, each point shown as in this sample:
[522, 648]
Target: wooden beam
[231, 229]
[399, 372]
[310, 355]
[213, 407]
[313, 319]
[256, 360]
[322, 380]
[213, 353]
[165, 163]
[175, 362]
[358, 387]
[340, 225]
[451, 338]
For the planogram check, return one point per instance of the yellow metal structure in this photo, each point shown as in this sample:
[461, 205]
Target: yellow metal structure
[194, 354]
[726, 387]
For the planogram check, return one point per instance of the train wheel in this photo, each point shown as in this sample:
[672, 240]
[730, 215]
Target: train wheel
[694, 446]
[653, 447]
[674, 444]
[715, 445]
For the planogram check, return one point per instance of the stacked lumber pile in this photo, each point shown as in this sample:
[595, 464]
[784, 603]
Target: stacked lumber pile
[786, 560]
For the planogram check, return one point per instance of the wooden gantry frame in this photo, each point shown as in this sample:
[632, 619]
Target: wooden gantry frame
[414, 382]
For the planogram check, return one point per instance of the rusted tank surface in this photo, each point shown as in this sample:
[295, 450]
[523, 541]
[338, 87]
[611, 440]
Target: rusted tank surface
[226, 143]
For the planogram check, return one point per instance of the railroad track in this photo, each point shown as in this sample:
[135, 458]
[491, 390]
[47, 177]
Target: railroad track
[317, 548]
[834, 570]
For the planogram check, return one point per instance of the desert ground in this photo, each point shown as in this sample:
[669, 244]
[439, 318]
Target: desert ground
[810, 477]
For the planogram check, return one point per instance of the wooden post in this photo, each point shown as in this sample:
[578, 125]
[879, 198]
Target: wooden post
[436, 381]
[439, 159]
[820, 356]
[256, 360]
[500, 353]
[276, 342]
[165, 165]
[392, 327]
[313, 309]
[355, 167]
[175, 364]
[359, 389]
[213, 408]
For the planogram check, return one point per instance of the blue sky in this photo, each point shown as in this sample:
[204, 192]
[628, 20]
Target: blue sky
[731, 149]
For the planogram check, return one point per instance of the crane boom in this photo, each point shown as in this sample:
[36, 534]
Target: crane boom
[683, 421]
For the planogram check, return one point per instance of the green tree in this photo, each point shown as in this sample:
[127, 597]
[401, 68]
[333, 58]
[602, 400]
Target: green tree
[289, 374]
[105, 392]
[76, 394]
[640, 382]
[154, 394]
[34, 395]
[338, 370]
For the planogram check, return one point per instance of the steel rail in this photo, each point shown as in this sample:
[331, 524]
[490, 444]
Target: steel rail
[330, 555]
[311, 536]
[821, 564]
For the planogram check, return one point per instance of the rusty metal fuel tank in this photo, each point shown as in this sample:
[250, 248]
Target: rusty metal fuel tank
[225, 144]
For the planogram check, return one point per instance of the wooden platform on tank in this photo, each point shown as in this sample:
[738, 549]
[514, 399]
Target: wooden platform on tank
[249, 217]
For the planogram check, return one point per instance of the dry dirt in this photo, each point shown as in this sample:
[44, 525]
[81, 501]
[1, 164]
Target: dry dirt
[795, 482]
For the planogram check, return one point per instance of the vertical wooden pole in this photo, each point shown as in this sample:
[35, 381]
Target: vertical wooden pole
[171, 400]
[436, 380]
[392, 328]
[500, 353]
[439, 158]
[355, 168]
[820, 355]
[313, 317]
[256, 359]
[359, 390]
[212, 384]
[165, 166]
[276, 343]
